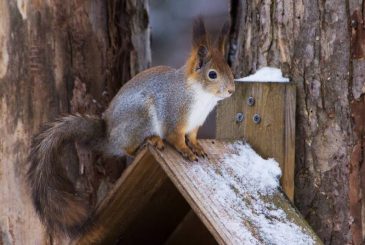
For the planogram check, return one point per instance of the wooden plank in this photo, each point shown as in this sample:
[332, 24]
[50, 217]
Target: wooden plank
[267, 137]
[180, 177]
[213, 212]
[226, 126]
[158, 219]
[275, 103]
[156, 191]
[191, 231]
[288, 169]
[142, 187]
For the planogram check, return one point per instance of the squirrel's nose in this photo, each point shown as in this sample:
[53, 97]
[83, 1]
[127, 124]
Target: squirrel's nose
[231, 88]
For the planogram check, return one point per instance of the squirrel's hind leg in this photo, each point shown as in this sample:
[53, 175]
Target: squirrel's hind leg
[131, 150]
[156, 141]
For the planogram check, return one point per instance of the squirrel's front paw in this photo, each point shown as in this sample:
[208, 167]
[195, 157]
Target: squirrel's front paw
[197, 149]
[188, 154]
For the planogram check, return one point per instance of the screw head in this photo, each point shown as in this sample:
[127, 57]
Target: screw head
[353, 23]
[250, 101]
[239, 117]
[256, 118]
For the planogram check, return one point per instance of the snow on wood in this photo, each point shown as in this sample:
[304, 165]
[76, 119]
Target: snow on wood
[234, 192]
[246, 173]
[265, 74]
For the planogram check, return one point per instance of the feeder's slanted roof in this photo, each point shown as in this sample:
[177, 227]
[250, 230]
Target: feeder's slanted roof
[234, 192]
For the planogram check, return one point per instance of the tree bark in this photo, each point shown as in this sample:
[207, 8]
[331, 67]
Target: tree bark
[60, 57]
[310, 40]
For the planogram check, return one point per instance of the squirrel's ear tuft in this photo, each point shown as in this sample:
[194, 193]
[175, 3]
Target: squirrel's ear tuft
[223, 37]
[202, 56]
[199, 33]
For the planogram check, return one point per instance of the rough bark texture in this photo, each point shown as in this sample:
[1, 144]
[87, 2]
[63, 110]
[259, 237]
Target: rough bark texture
[60, 57]
[310, 40]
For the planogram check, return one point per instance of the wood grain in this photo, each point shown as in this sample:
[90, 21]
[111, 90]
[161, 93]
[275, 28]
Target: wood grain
[159, 181]
[191, 231]
[158, 218]
[274, 136]
[58, 57]
[314, 43]
[197, 192]
[288, 168]
[121, 208]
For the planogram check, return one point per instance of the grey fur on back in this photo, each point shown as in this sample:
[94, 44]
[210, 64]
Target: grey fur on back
[162, 90]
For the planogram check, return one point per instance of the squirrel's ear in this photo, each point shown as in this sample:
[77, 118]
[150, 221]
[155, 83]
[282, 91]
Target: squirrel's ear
[199, 33]
[200, 42]
[223, 37]
[202, 56]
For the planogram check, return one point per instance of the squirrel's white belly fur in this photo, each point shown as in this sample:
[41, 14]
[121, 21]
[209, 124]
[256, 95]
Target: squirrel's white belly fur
[203, 104]
[156, 124]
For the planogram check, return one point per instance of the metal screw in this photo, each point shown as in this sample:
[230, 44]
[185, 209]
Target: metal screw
[353, 23]
[239, 117]
[256, 118]
[251, 101]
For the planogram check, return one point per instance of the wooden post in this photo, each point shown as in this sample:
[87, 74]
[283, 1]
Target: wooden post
[273, 134]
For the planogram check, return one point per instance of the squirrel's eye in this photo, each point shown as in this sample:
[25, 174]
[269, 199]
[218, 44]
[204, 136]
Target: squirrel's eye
[212, 74]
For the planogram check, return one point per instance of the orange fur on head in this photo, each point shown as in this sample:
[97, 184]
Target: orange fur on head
[203, 51]
[200, 50]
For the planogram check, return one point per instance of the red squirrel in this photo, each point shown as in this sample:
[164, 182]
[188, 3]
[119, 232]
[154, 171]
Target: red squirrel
[160, 103]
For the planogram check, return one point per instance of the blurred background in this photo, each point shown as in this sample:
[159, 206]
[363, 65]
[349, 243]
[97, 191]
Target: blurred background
[171, 25]
[171, 34]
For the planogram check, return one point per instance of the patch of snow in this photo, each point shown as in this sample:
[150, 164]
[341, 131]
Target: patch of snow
[258, 175]
[235, 188]
[265, 74]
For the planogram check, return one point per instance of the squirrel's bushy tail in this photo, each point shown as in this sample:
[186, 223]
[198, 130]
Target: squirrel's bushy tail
[57, 202]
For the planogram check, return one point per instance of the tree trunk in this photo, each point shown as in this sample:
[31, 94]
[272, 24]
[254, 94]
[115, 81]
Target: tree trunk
[310, 40]
[60, 57]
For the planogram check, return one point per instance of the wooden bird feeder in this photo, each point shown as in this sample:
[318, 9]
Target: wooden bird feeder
[163, 199]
